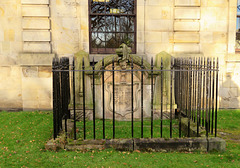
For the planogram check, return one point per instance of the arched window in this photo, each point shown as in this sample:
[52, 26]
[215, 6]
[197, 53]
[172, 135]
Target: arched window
[111, 22]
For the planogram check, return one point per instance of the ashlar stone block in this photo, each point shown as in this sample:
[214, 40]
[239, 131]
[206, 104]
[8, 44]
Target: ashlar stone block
[36, 36]
[187, 2]
[9, 35]
[44, 71]
[153, 36]
[186, 37]
[36, 47]
[36, 23]
[188, 47]
[35, 59]
[35, 2]
[219, 37]
[35, 11]
[217, 3]
[187, 13]
[186, 26]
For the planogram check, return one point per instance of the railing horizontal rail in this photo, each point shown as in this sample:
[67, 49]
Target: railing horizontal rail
[134, 70]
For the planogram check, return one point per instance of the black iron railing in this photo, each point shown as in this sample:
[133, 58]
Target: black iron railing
[196, 91]
[193, 94]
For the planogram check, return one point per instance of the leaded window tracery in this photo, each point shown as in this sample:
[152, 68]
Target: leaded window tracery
[111, 23]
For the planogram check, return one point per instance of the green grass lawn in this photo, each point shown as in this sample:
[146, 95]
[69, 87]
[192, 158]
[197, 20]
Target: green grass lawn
[23, 135]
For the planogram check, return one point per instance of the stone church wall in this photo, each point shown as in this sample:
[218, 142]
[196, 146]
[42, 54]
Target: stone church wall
[32, 32]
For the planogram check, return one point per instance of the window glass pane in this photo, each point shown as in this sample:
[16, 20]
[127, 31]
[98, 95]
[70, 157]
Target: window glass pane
[112, 22]
[117, 24]
[237, 25]
[97, 7]
[127, 6]
[109, 23]
[98, 23]
[131, 24]
[110, 40]
[237, 45]
[238, 16]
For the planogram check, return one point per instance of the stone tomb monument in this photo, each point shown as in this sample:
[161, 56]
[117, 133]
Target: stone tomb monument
[122, 61]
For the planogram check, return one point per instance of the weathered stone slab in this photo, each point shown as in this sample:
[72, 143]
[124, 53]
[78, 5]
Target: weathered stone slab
[120, 144]
[217, 144]
[36, 36]
[163, 145]
[78, 62]
[166, 58]
[193, 128]
[187, 13]
[144, 145]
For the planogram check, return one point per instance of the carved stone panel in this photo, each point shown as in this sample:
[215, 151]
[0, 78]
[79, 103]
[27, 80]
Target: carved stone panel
[123, 92]
[123, 99]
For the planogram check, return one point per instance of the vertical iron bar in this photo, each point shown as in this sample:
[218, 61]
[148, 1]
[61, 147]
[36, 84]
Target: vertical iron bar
[58, 90]
[84, 110]
[213, 93]
[161, 129]
[65, 108]
[151, 97]
[186, 88]
[190, 94]
[216, 106]
[60, 109]
[132, 94]
[54, 67]
[68, 88]
[207, 96]
[113, 83]
[204, 90]
[210, 91]
[193, 91]
[142, 98]
[94, 116]
[180, 100]
[198, 95]
[63, 91]
[103, 99]
[200, 90]
[74, 101]
[171, 80]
